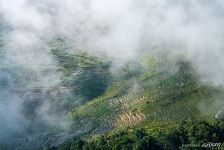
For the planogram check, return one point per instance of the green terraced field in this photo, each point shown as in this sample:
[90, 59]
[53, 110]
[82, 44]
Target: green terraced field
[155, 99]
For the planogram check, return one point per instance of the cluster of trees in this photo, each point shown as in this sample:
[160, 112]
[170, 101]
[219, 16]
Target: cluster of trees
[192, 135]
[123, 140]
[188, 135]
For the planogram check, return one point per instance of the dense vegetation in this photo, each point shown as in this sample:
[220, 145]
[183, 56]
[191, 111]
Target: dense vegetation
[188, 135]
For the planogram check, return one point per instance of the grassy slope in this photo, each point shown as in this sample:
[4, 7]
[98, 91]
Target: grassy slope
[160, 100]
[156, 96]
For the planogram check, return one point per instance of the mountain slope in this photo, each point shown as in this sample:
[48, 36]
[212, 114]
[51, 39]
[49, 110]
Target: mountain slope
[151, 93]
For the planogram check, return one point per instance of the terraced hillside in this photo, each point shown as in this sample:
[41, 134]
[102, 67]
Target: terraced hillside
[88, 76]
[153, 93]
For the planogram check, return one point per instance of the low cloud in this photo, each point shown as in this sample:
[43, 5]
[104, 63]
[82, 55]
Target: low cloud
[120, 30]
